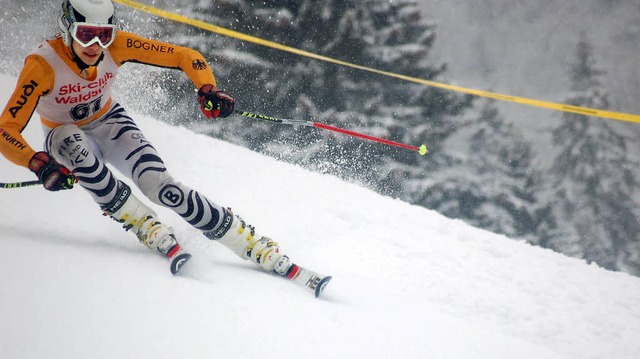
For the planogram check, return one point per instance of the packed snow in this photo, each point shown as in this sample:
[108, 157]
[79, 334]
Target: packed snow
[407, 282]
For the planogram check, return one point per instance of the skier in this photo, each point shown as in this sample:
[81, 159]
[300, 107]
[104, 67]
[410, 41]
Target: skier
[68, 81]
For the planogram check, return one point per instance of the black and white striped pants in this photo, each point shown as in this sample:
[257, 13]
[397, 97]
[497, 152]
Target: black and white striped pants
[117, 140]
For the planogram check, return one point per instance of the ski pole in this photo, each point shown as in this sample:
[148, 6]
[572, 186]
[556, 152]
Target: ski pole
[19, 184]
[422, 150]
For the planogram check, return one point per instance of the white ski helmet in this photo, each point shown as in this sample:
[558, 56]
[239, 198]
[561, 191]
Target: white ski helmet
[96, 12]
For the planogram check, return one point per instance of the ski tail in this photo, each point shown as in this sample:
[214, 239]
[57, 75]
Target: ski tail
[178, 261]
[308, 279]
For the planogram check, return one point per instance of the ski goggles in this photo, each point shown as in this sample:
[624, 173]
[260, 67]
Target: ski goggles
[88, 34]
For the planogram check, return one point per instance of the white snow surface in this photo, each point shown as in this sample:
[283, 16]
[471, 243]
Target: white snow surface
[408, 282]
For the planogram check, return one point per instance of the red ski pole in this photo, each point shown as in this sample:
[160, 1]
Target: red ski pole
[283, 121]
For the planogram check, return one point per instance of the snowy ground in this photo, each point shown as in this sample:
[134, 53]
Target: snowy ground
[408, 283]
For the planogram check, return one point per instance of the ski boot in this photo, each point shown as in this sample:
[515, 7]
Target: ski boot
[241, 238]
[138, 217]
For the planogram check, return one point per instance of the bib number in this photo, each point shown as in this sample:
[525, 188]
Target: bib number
[84, 110]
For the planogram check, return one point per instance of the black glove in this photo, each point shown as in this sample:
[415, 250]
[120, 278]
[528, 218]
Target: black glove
[215, 103]
[53, 175]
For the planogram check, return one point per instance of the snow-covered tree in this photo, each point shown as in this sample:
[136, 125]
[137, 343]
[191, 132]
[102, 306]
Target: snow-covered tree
[595, 180]
[491, 181]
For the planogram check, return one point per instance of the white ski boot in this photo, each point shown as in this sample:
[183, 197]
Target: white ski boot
[137, 216]
[241, 238]
[243, 241]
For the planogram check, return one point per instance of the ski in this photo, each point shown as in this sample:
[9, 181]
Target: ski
[308, 279]
[178, 261]
[303, 277]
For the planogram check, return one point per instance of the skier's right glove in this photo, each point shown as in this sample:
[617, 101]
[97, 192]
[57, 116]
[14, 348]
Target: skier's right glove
[52, 175]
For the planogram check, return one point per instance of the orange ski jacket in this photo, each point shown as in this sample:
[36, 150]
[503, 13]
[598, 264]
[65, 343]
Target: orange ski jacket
[38, 79]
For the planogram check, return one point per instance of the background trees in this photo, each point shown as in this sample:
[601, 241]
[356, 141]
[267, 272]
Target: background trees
[483, 170]
[595, 179]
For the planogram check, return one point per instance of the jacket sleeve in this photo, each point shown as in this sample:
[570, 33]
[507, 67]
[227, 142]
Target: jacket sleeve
[129, 47]
[35, 80]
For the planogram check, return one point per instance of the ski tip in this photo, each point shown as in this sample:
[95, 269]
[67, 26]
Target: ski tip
[323, 283]
[178, 262]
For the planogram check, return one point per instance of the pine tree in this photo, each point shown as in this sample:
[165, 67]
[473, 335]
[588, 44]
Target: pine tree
[595, 178]
[491, 182]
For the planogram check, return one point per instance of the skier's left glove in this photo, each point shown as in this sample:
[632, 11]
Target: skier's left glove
[215, 103]
[53, 175]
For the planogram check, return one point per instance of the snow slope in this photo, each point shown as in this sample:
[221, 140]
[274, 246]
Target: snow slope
[408, 283]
